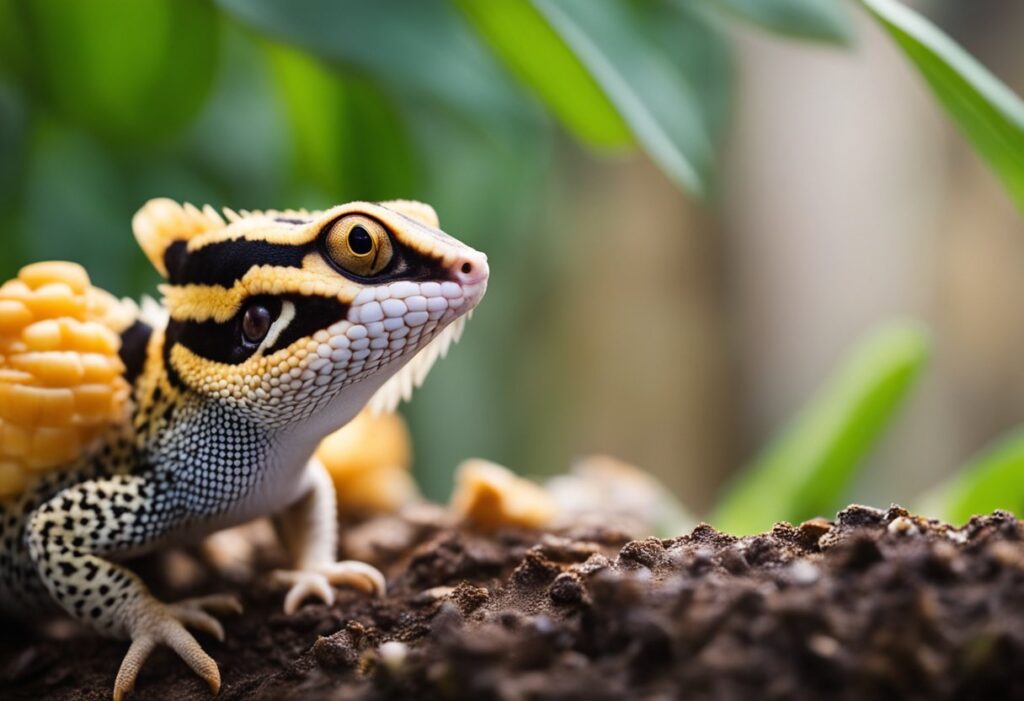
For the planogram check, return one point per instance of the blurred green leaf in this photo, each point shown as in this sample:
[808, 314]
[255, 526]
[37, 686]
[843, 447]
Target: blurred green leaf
[14, 54]
[989, 114]
[420, 48]
[522, 38]
[804, 471]
[692, 37]
[14, 122]
[78, 207]
[249, 159]
[821, 20]
[348, 138]
[992, 480]
[132, 71]
[639, 78]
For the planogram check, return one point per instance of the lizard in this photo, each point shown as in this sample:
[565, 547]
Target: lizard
[276, 328]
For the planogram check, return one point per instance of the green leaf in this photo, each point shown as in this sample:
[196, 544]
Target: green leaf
[519, 35]
[820, 20]
[131, 71]
[348, 139]
[804, 471]
[416, 48]
[249, 159]
[989, 114]
[611, 39]
[992, 480]
[693, 39]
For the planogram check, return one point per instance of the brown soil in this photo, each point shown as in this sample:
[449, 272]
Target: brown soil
[874, 605]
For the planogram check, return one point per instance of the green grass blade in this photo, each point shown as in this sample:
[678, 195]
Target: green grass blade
[818, 20]
[992, 480]
[521, 37]
[988, 113]
[804, 472]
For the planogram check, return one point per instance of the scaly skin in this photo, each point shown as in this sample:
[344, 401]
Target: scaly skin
[280, 328]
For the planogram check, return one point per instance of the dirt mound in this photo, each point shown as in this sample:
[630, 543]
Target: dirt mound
[877, 604]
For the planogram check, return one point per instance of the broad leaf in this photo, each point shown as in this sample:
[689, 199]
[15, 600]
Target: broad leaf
[821, 20]
[131, 71]
[989, 114]
[650, 92]
[804, 472]
[417, 48]
[347, 138]
[537, 55]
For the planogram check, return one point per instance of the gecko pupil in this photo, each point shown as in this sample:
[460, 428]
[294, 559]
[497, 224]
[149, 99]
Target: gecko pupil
[256, 323]
[360, 241]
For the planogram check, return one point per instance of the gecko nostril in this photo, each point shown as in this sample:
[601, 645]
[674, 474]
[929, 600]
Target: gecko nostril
[467, 268]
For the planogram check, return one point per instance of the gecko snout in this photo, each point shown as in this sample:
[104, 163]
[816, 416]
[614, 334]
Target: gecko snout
[470, 269]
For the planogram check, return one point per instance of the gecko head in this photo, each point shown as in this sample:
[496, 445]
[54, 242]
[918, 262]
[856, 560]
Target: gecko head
[297, 319]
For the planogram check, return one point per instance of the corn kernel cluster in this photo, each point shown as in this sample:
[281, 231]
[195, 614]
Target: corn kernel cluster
[61, 378]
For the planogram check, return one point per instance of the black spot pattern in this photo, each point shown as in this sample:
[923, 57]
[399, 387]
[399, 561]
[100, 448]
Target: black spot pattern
[200, 462]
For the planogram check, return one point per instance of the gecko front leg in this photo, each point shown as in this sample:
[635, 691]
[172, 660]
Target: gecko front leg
[309, 530]
[69, 538]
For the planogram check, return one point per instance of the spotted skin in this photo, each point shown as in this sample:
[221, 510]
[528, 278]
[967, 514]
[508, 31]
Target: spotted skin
[223, 426]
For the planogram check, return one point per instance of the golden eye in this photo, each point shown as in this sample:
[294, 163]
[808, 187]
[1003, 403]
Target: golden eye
[359, 245]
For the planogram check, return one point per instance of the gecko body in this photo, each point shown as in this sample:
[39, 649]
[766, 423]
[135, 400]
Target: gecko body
[277, 328]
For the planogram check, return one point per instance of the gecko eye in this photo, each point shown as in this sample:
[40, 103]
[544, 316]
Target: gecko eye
[358, 245]
[256, 323]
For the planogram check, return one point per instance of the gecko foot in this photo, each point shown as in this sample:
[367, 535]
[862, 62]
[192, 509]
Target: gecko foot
[164, 624]
[317, 582]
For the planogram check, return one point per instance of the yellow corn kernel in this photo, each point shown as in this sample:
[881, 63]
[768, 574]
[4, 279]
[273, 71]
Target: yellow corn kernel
[55, 300]
[12, 479]
[15, 377]
[71, 274]
[15, 289]
[89, 337]
[32, 406]
[53, 368]
[490, 496]
[15, 440]
[109, 310]
[14, 316]
[43, 335]
[99, 368]
[52, 447]
[94, 402]
[57, 406]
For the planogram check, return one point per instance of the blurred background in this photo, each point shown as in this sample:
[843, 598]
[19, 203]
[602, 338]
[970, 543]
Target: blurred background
[691, 207]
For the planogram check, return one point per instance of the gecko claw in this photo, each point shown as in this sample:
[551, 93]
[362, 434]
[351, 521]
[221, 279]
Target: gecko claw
[164, 624]
[317, 582]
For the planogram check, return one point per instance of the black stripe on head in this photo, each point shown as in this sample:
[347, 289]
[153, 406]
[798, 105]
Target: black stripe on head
[223, 342]
[406, 263]
[134, 341]
[225, 262]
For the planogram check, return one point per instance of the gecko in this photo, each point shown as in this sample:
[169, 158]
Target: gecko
[276, 328]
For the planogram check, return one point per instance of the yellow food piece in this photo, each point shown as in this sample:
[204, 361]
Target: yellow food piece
[489, 496]
[12, 478]
[14, 316]
[369, 462]
[61, 383]
[38, 275]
